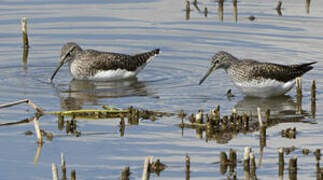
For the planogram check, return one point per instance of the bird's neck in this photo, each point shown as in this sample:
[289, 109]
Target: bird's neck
[229, 62]
[74, 55]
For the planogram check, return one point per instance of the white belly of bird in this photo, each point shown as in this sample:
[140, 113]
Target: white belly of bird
[111, 75]
[265, 87]
[107, 75]
[118, 74]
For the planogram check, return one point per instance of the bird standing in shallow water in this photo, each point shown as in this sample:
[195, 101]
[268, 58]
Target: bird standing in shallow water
[102, 66]
[255, 78]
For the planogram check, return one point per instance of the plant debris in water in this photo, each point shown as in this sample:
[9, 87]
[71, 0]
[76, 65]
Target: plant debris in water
[28, 133]
[109, 112]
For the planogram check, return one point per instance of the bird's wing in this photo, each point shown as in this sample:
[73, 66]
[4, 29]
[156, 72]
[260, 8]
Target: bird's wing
[279, 72]
[113, 61]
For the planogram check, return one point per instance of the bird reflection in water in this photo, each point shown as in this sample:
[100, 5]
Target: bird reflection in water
[279, 106]
[82, 92]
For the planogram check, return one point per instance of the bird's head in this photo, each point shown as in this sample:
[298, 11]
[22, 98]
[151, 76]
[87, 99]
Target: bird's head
[222, 60]
[68, 53]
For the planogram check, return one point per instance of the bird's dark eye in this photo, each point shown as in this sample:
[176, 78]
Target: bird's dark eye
[217, 61]
[68, 54]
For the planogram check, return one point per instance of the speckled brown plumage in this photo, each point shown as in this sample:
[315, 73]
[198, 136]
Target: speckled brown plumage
[112, 61]
[256, 78]
[86, 63]
[246, 70]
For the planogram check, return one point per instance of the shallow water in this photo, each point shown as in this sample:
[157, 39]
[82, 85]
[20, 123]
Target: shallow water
[169, 83]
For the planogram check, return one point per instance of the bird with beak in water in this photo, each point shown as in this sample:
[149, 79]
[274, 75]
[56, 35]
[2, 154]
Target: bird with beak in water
[258, 79]
[102, 66]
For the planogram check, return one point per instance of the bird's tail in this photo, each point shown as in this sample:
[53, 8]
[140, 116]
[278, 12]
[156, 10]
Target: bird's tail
[147, 55]
[300, 69]
[307, 64]
[144, 58]
[155, 52]
[304, 67]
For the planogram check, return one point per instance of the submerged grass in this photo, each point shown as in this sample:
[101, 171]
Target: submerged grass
[91, 113]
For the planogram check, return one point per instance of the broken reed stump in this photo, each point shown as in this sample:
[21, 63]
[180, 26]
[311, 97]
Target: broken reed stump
[313, 99]
[267, 114]
[24, 42]
[319, 171]
[199, 116]
[187, 167]
[246, 162]
[188, 10]
[39, 146]
[63, 167]
[299, 86]
[37, 129]
[73, 175]
[24, 32]
[25, 57]
[54, 171]
[234, 113]
[292, 168]
[226, 162]
[232, 161]
[223, 163]
[146, 173]
[278, 8]
[313, 90]
[281, 162]
[233, 157]
[298, 95]
[205, 12]
[125, 173]
[181, 114]
[307, 6]
[261, 124]
[220, 10]
[261, 154]
[246, 159]
[196, 6]
[317, 154]
[235, 10]
[245, 121]
[262, 136]
[253, 165]
[279, 5]
[122, 126]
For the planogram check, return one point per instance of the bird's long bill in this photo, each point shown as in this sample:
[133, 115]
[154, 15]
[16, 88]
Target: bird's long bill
[207, 74]
[58, 67]
[62, 61]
